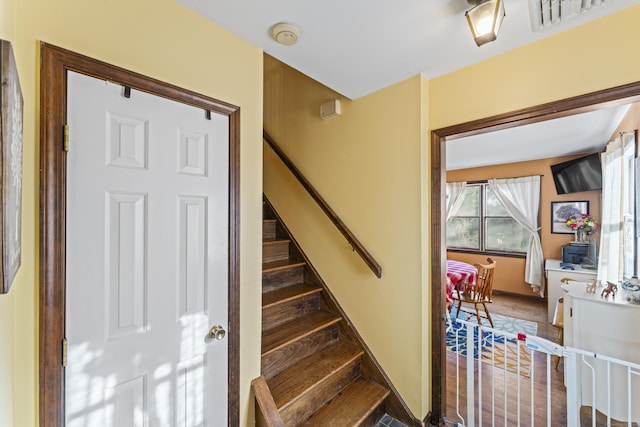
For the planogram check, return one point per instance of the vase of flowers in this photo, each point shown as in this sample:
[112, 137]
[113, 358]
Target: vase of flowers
[582, 225]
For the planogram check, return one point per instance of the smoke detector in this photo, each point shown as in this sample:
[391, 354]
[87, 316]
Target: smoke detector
[285, 34]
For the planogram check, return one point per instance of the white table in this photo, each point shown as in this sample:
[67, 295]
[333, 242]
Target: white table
[607, 327]
[554, 274]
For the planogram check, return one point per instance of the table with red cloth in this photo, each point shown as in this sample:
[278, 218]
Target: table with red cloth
[459, 274]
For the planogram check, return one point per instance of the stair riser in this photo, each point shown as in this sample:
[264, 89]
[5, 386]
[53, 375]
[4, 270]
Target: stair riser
[299, 410]
[373, 417]
[268, 230]
[266, 212]
[275, 251]
[289, 310]
[279, 360]
[272, 280]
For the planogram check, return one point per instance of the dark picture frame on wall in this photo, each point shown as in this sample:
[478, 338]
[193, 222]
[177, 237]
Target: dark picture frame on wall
[11, 103]
[560, 211]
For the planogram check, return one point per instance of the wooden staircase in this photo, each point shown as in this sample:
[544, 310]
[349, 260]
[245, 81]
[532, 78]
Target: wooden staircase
[315, 368]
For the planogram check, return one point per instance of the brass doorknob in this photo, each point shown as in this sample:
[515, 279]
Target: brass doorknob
[217, 332]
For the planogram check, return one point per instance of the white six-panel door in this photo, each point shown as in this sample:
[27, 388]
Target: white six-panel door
[147, 259]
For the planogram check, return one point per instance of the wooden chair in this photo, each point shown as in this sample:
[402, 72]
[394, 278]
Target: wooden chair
[480, 293]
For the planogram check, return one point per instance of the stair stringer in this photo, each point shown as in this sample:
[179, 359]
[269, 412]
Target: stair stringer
[370, 368]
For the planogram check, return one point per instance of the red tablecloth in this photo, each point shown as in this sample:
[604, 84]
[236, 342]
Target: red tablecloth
[459, 273]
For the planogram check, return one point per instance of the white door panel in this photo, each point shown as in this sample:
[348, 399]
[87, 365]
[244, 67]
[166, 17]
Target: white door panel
[147, 259]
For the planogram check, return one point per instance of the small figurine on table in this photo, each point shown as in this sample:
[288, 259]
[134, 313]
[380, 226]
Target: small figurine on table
[591, 287]
[610, 289]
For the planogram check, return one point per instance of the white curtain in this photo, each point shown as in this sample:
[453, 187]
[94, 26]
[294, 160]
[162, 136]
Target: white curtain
[614, 181]
[454, 197]
[521, 198]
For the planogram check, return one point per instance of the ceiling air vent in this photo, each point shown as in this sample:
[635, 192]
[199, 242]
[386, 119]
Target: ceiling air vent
[545, 13]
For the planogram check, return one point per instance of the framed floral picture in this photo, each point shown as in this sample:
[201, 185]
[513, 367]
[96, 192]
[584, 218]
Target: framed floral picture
[10, 165]
[561, 211]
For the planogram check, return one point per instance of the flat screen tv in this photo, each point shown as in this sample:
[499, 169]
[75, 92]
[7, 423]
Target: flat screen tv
[581, 174]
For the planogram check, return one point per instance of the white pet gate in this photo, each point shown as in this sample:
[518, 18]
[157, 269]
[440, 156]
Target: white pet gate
[512, 380]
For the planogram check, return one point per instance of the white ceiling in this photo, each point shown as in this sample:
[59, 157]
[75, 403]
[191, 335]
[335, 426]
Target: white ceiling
[356, 47]
[577, 134]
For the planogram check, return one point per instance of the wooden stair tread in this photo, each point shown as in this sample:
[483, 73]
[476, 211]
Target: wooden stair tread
[281, 264]
[275, 242]
[351, 406]
[298, 328]
[288, 293]
[291, 384]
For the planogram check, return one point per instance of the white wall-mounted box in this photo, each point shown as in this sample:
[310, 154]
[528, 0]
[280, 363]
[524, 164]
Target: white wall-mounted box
[330, 109]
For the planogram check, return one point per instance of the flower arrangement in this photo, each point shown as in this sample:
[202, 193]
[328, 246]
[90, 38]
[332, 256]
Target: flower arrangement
[582, 222]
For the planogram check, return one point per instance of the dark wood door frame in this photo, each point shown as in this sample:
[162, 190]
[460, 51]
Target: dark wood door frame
[54, 64]
[580, 104]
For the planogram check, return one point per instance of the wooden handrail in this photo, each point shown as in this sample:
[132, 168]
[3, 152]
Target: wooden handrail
[351, 238]
[267, 413]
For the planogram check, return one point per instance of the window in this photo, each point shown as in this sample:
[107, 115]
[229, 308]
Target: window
[617, 251]
[482, 224]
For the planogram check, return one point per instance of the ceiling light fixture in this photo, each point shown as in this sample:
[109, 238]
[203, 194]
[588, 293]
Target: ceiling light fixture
[285, 34]
[485, 19]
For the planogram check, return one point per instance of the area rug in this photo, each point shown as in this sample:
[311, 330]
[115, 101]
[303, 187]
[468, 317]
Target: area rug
[493, 348]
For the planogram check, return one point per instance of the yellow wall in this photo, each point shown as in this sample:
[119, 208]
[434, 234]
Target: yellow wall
[509, 276]
[367, 164]
[164, 40]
